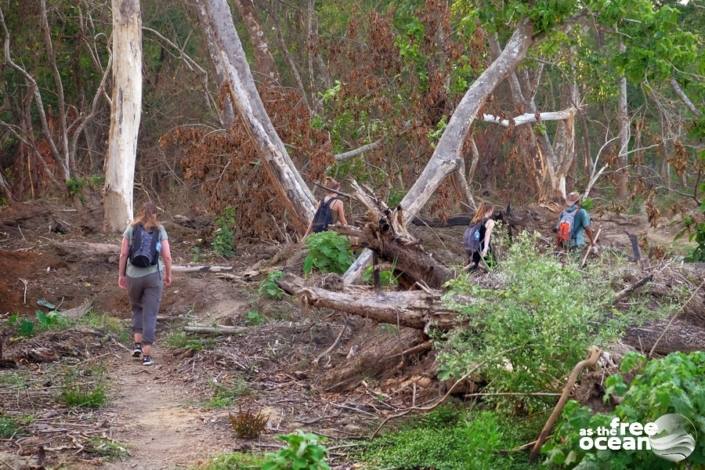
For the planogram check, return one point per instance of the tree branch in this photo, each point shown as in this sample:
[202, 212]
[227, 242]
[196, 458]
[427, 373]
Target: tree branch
[527, 118]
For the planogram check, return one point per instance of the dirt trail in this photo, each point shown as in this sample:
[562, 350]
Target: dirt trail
[158, 419]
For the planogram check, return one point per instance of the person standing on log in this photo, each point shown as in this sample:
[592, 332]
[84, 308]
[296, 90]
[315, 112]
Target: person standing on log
[330, 210]
[573, 224]
[478, 235]
[144, 270]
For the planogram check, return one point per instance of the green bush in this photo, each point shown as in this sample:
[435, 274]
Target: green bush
[673, 384]
[43, 322]
[254, 318]
[12, 426]
[182, 340]
[450, 439]
[235, 461]
[386, 277]
[304, 451]
[84, 396]
[528, 334]
[224, 239]
[107, 448]
[225, 394]
[269, 289]
[328, 252]
[698, 235]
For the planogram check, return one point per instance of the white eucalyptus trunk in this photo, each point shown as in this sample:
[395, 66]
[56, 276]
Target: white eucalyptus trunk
[125, 112]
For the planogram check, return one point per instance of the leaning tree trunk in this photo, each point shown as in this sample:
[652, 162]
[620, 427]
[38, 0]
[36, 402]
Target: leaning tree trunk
[264, 61]
[228, 56]
[125, 113]
[445, 158]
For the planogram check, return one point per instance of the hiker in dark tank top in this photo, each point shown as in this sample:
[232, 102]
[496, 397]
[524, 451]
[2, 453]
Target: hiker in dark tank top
[478, 235]
[144, 270]
[330, 210]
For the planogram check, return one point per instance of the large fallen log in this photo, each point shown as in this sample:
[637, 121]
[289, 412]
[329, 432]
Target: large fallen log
[417, 309]
[386, 235]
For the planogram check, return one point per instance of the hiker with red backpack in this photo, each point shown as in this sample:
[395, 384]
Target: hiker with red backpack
[144, 270]
[573, 225]
[478, 235]
[330, 210]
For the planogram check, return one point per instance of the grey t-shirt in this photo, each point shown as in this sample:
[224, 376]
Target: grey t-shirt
[135, 271]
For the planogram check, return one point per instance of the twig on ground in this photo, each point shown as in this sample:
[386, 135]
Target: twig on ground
[332, 346]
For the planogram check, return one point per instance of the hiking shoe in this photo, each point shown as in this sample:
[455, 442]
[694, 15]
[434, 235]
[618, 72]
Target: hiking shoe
[137, 350]
[147, 360]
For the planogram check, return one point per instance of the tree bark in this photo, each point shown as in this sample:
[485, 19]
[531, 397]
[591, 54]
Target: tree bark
[228, 56]
[264, 62]
[448, 150]
[125, 114]
[414, 309]
[623, 118]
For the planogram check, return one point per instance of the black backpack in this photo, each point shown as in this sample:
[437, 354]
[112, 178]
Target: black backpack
[143, 247]
[471, 238]
[323, 217]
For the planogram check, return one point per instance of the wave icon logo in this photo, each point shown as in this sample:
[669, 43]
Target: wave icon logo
[672, 441]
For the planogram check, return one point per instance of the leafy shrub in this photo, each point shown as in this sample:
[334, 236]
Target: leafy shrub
[43, 322]
[225, 395]
[235, 461]
[386, 277]
[182, 340]
[254, 318]
[450, 439]
[673, 384]
[530, 333]
[10, 427]
[268, 287]
[224, 239]
[328, 252]
[697, 235]
[304, 451]
[248, 424]
[84, 396]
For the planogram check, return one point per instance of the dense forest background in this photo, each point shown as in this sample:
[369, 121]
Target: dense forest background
[337, 76]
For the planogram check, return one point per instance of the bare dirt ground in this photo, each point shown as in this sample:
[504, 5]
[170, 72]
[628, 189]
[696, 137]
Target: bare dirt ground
[167, 416]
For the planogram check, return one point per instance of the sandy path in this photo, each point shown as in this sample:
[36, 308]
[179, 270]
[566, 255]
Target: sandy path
[157, 420]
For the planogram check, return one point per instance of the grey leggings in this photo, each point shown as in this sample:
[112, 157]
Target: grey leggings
[145, 295]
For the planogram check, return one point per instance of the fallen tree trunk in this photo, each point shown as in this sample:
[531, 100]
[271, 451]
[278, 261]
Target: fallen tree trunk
[410, 259]
[417, 309]
[386, 235]
[216, 330]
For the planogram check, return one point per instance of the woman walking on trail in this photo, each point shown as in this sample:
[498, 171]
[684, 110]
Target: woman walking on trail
[478, 235]
[145, 268]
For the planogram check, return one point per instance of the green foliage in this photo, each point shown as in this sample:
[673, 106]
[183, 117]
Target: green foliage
[328, 252]
[108, 324]
[27, 327]
[672, 384]
[235, 461]
[587, 204]
[395, 197]
[303, 452]
[330, 94]
[449, 439]
[224, 239]
[182, 340]
[386, 277]
[225, 394]
[435, 135]
[254, 318]
[83, 395]
[76, 185]
[269, 289]
[533, 330]
[107, 448]
[12, 426]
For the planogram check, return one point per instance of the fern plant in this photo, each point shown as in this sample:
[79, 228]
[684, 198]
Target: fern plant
[328, 252]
